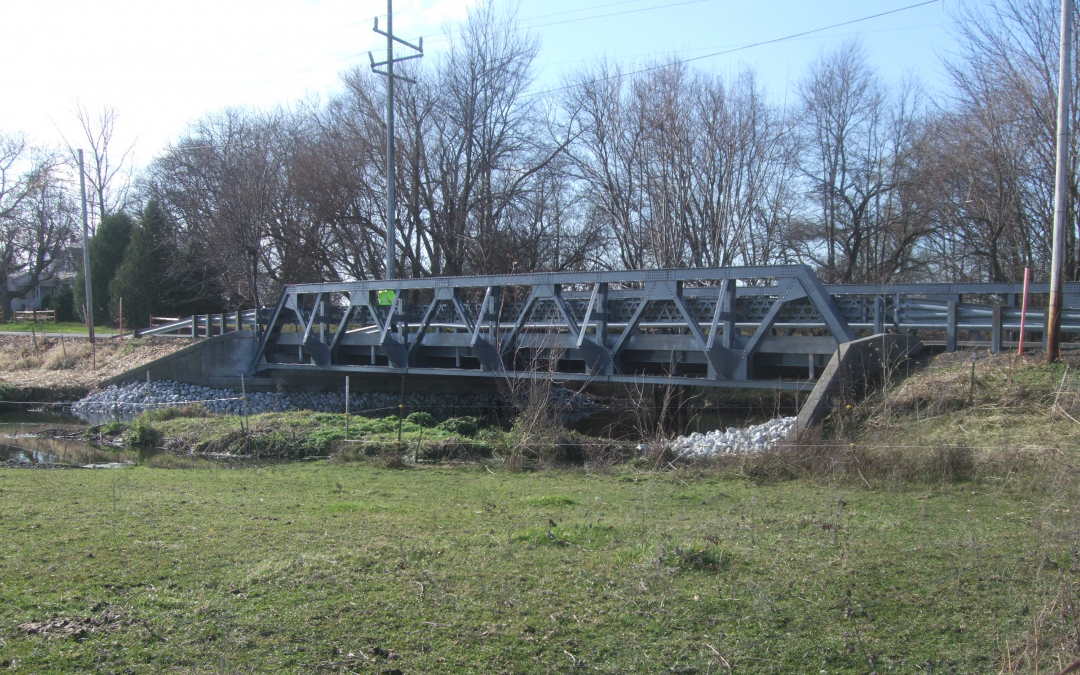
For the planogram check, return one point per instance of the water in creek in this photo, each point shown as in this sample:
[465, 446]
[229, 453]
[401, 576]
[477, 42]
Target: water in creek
[20, 444]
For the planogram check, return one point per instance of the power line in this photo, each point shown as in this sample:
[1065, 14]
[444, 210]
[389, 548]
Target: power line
[815, 37]
[443, 38]
[722, 52]
[541, 16]
[446, 36]
[743, 47]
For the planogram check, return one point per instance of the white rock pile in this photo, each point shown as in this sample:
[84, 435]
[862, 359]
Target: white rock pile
[130, 400]
[734, 441]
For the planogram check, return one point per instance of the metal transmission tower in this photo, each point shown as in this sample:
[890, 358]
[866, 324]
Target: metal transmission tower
[391, 213]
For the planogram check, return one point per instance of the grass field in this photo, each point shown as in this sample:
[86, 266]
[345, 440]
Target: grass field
[324, 567]
[59, 327]
[934, 529]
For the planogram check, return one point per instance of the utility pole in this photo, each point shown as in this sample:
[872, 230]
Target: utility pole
[1061, 195]
[89, 310]
[391, 211]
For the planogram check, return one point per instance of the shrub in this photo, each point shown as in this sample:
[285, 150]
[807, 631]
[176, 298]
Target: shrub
[144, 435]
[460, 426]
[422, 419]
[455, 448]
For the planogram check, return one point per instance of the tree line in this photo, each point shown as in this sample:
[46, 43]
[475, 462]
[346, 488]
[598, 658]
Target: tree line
[866, 180]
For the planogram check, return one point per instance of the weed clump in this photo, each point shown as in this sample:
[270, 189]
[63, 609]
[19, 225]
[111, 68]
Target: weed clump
[459, 426]
[67, 357]
[144, 435]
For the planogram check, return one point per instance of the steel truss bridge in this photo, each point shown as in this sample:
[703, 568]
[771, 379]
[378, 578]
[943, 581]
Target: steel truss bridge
[772, 327]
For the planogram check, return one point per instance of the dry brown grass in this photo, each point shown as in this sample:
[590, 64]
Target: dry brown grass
[72, 363]
[1015, 421]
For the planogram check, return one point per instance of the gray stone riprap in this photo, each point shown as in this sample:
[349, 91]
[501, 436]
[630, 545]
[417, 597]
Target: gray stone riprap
[734, 441]
[130, 400]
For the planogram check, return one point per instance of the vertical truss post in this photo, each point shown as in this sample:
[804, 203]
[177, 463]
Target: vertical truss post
[494, 312]
[593, 350]
[484, 349]
[727, 314]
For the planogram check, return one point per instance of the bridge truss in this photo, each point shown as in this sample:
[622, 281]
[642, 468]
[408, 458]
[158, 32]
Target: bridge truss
[769, 327]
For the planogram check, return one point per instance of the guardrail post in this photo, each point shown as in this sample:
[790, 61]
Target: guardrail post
[879, 314]
[194, 324]
[238, 326]
[995, 331]
[950, 328]
[1046, 324]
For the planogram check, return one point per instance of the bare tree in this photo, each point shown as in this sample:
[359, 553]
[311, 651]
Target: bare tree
[36, 218]
[108, 172]
[857, 145]
[218, 183]
[998, 140]
[682, 168]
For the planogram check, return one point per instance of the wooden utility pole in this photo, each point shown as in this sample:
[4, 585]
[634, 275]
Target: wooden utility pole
[1061, 194]
[89, 309]
[391, 202]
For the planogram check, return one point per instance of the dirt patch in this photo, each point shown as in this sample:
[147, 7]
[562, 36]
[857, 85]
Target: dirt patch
[70, 365]
[77, 627]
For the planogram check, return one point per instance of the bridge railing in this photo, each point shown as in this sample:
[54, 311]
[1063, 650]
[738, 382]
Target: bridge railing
[204, 325]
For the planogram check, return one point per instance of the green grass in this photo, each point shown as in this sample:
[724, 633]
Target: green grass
[59, 327]
[298, 434]
[318, 567]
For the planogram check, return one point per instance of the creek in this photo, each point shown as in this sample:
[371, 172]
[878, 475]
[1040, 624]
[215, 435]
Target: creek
[20, 442]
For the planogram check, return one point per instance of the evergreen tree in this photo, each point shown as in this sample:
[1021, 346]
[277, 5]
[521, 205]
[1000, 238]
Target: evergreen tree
[193, 285]
[143, 273]
[106, 254]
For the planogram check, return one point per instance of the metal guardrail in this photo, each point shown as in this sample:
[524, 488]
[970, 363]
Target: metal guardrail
[205, 325]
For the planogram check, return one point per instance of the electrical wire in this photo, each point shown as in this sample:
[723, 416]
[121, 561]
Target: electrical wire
[814, 37]
[443, 38]
[731, 50]
[741, 48]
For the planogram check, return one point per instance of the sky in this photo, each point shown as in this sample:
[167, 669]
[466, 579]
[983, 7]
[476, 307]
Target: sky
[163, 64]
